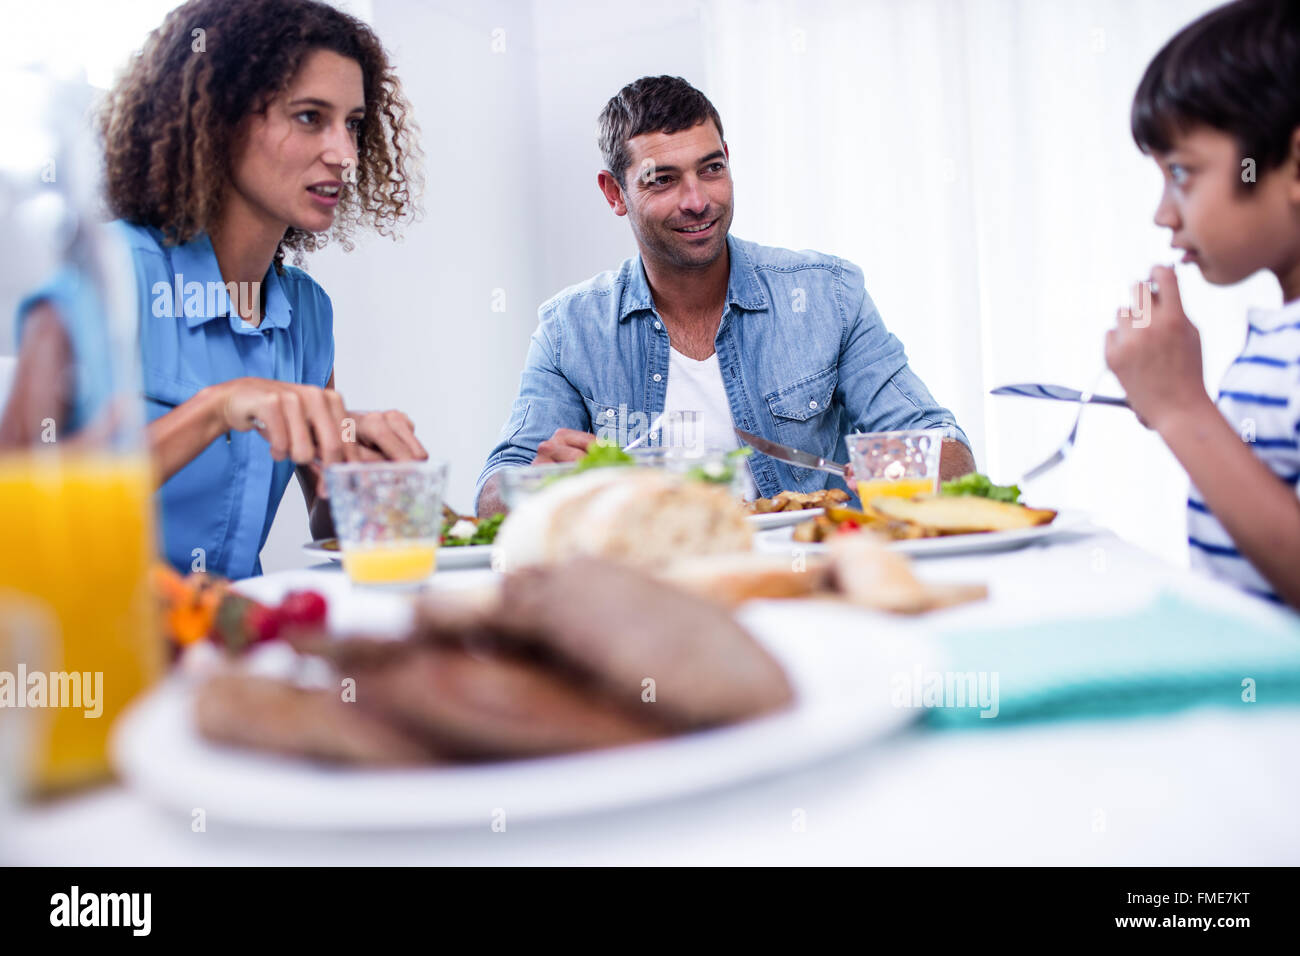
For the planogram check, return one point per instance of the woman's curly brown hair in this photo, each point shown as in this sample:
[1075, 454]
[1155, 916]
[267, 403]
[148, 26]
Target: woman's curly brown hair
[170, 125]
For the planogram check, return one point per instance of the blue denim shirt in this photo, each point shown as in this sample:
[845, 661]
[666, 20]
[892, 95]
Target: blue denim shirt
[804, 355]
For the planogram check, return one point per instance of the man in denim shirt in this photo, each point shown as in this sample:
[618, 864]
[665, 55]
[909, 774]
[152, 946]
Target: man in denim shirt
[784, 344]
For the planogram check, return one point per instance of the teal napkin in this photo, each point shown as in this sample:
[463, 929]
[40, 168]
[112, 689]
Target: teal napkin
[1170, 655]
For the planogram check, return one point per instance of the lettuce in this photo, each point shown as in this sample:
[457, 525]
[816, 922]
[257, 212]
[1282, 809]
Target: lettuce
[602, 454]
[980, 486]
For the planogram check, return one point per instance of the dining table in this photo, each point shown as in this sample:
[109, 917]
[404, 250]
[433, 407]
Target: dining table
[1185, 783]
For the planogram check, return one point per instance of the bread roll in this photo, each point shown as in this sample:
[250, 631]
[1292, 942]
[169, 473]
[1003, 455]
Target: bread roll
[637, 516]
[735, 578]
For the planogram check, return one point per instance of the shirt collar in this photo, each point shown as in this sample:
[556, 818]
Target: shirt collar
[198, 287]
[743, 287]
[1269, 319]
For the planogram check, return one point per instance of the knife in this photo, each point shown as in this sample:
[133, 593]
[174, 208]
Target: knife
[1057, 392]
[791, 456]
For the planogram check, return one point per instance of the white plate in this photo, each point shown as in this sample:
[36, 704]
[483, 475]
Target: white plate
[782, 540]
[842, 661]
[464, 556]
[783, 519]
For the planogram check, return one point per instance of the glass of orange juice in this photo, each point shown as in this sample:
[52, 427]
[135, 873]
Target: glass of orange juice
[388, 518]
[899, 464]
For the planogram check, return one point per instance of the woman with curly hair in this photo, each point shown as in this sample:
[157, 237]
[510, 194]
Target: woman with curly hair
[245, 130]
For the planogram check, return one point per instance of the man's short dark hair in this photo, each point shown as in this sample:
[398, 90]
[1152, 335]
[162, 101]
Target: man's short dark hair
[1236, 70]
[652, 104]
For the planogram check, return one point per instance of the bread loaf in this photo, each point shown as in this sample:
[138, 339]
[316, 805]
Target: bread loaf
[637, 516]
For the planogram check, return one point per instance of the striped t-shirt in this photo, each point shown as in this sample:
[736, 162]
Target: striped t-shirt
[1260, 398]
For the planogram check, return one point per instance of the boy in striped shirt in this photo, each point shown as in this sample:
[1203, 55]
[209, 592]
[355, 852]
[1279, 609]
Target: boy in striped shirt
[1219, 111]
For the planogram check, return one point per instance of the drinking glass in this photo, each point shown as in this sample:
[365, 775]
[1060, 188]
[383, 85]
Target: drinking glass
[388, 519]
[897, 464]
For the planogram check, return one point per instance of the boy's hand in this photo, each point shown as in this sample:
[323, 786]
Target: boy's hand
[1155, 352]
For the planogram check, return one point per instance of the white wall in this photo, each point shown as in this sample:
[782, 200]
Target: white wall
[585, 54]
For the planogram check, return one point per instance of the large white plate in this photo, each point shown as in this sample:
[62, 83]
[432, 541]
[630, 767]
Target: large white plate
[783, 519]
[842, 661]
[462, 556]
[782, 540]
[480, 555]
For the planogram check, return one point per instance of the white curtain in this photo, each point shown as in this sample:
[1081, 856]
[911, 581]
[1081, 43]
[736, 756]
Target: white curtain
[974, 158]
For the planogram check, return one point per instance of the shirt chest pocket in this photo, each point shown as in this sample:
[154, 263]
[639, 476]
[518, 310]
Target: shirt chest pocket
[799, 411]
[615, 421]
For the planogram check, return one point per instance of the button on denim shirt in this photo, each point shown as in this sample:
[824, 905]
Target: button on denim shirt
[804, 356]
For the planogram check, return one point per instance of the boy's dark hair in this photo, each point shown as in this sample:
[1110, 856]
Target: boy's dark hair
[652, 104]
[1236, 70]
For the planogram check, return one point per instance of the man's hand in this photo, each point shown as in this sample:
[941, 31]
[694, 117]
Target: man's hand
[567, 444]
[1155, 352]
[955, 460]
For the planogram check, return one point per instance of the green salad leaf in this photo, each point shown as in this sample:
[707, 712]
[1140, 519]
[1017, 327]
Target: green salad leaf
[602, 454]
[980, 486]
[485, 532]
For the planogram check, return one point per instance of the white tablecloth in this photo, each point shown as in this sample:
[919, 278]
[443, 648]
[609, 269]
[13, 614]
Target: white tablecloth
[1208, 786]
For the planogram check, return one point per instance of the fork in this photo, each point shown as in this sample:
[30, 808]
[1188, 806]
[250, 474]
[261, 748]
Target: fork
[1067, 446]
[1152, 289]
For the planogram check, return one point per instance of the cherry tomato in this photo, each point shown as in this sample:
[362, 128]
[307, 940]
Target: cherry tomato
[262, 623]
[302, 609]
[848, 526]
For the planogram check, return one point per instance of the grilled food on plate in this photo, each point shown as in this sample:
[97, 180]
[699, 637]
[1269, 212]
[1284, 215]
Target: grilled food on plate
[963, 514]
[798, 501]
[825, 526]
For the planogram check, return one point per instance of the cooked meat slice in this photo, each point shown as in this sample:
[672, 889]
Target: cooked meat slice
[346, 652]
[456, 617]
[268, 714]
[623, 628]
[493, 706]
[561, 664]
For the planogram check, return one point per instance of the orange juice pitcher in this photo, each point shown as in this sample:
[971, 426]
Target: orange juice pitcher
[80, 545]
[76, 487]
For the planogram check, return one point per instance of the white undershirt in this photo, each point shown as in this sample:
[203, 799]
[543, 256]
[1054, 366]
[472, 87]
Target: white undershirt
[697, 387]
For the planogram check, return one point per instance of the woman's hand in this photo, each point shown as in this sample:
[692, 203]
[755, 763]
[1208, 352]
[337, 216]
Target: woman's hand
[301, 422]
[1155, 352]
[389, 434]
